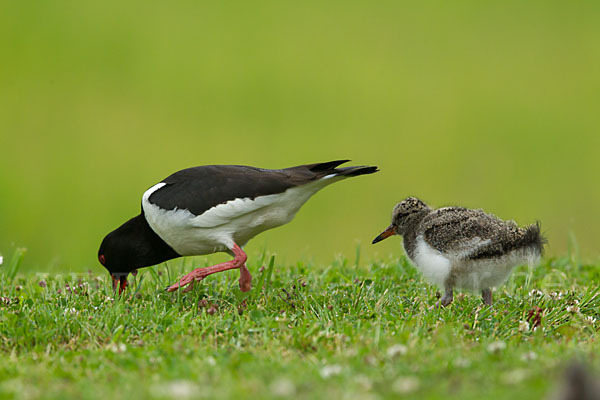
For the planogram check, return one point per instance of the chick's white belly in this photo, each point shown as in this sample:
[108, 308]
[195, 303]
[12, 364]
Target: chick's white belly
[490, 272]
[432, 264]
[463, 273]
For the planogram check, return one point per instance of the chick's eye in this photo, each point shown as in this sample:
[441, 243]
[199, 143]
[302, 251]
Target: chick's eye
[101, 259]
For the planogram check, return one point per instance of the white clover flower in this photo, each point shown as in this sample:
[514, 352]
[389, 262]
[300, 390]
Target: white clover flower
[330, 370]
[496, 347]
[283, 387]
[590, 319]
[462, 363]
[405, 384]
[210, 360]
[536, 293]
[396, 350]
[573, 309]
[364, 382]
[515, 376]
[523, 326]
[179, 389]
[117, 347]
[529, 356]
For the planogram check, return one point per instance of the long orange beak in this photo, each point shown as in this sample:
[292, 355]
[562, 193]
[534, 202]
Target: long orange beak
[120, 282]
[389, 231]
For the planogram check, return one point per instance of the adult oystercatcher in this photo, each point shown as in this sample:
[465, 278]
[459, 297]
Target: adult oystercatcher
[213, 208]
[462, 248]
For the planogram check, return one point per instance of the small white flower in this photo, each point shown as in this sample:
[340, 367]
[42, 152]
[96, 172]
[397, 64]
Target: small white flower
[155, 360]
[573, 309]
[351, 352]
[590, 319]
[462, 363]
[283, 388]
[405, 384]
[117, 347]
[330, 370]
[210, 360]
[364, 382]
[523, 326]
[496, 347]
[396, 350]
[529, 356]
[515, 376]
[70, 311]
[176, 389]
[536, 293]
[1, 260]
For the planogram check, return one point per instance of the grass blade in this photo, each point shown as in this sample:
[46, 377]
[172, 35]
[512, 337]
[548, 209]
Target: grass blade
[15, 263]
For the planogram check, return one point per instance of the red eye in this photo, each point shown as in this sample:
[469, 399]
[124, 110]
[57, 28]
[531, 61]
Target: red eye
[101, 259]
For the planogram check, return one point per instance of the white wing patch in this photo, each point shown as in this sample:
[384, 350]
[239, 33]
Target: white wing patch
[214, 216]
[224, 213]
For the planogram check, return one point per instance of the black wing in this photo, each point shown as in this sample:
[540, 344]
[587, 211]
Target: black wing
[201, 188]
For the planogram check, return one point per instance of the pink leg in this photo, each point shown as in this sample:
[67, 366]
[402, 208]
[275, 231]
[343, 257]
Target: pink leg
[245, 279]
[239, 262]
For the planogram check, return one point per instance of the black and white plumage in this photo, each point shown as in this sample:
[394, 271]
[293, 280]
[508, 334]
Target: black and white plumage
[456, 247]
[213, 208]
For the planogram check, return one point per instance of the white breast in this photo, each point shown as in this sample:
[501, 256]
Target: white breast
[236, 221]
[432, 264]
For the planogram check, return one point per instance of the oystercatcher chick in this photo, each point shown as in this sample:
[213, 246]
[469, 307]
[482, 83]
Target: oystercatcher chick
[456, 247]
[213, 208]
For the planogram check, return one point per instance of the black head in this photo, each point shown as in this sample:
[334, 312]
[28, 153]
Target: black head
[131, 246]
[405, 214]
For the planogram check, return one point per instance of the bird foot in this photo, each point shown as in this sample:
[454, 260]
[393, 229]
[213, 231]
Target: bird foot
[239, 262]
[195, 276]
[200, 273]
[445, 301]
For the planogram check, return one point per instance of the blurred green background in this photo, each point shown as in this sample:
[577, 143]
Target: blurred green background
[482, 104]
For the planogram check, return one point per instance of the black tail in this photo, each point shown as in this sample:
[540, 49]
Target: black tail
[533, 237]
[328, 168]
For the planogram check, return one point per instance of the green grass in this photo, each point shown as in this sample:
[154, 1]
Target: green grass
[342, 331]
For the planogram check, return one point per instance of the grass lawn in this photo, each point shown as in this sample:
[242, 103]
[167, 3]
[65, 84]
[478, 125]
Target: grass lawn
[304, 331]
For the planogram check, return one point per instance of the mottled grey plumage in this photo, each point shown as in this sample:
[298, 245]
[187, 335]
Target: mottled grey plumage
[462, 248]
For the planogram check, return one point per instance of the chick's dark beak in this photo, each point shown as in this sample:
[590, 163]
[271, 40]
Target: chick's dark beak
[389, 231]
[119, 281]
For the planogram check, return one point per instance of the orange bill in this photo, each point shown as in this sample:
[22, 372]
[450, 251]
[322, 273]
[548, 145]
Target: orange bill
[120, 283]
[389, 231]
